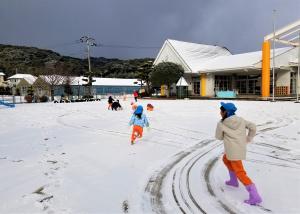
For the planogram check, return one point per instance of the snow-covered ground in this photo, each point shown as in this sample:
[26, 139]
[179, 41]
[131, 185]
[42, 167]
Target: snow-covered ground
[77, 157]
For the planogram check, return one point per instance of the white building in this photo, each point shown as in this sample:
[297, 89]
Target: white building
[210, 70]
[2, 79]
[14, 80]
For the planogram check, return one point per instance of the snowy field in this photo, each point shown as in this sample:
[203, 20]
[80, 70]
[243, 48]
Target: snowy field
[77, 158]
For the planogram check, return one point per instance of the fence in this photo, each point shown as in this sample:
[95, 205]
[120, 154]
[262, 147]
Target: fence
[12, 99]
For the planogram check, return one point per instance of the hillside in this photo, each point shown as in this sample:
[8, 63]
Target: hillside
[33, 61]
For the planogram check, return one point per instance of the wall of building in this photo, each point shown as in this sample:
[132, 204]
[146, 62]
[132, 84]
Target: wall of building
[210, 85]
[1, 79]
[283, 78]
[99, 90]
[294, 73]
[168, 55]
[13, 82]
[283, 82]
[190, 79]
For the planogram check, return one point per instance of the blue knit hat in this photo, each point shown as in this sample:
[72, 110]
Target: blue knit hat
[139, 110]
[229, 107]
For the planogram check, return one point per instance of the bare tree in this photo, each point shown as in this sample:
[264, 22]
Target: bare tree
[54, 75]
[67, 83]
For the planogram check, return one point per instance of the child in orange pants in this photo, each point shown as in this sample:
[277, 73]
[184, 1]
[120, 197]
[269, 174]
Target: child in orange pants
[238, 169]
[232, 130]
[137, 132]
[138, 120]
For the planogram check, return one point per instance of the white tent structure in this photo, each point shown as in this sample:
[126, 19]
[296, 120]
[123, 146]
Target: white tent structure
[182, 82]
[181, 86]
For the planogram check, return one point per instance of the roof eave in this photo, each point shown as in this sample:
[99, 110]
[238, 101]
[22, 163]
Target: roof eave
[228, 69]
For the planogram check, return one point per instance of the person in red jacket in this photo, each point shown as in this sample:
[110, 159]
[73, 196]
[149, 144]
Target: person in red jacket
[135, 94]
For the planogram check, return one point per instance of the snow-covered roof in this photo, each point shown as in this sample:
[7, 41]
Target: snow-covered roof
[116, 82]
[192, 55]
[182, 82]
[199, 58]
[238, 61]
[28, 77]
[53, 79]
[108, 81]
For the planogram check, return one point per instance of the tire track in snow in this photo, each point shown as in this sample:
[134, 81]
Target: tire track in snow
[154, 186]
[109, 132]
[122, 134]
[212, 162]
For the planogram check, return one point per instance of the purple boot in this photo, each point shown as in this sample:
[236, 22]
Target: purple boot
[254, 197]
[233, 180]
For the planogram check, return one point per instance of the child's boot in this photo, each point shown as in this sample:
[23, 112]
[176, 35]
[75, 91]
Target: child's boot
[233, 180]
[254, 197]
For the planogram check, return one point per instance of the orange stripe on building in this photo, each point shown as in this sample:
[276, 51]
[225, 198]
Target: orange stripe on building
[265, 72]
[203, 84]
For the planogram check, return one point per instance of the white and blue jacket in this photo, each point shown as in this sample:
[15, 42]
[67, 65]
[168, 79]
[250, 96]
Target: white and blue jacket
[139, 122]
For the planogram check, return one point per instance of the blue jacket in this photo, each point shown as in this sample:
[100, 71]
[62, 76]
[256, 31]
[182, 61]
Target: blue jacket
[139, 122]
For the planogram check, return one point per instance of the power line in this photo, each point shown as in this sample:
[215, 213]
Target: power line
[126, 46]
[64, 44]
[100, 45]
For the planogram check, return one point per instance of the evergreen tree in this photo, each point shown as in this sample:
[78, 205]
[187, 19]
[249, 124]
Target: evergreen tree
[143, 75]
[166, 73]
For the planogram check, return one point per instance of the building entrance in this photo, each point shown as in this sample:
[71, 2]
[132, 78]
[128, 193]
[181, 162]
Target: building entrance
[243, 84]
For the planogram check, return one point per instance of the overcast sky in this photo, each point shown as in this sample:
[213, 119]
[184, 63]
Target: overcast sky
[239, 25]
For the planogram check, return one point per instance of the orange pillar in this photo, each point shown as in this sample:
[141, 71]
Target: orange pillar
[203, 84]
[265, 72]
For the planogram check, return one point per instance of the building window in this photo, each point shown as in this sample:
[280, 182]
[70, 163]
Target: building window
[248, 84]
[223, 83]
[293, 83]
[196, 85]
[23, 90]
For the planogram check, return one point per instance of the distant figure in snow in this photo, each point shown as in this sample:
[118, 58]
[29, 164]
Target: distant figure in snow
[150, 107]
[110, 102]
[139, 121]
[233, 131]
[133, 106]
[135, 95]
[116, 106]
[124, 97]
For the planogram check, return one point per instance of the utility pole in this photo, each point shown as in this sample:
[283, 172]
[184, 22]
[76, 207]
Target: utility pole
[298, 73]
[273, 82]
[78, 90]
[89, 42]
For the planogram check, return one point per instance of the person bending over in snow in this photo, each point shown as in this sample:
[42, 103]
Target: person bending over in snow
[110, 102]
[232, 130]
[116, 106]
[138, 120]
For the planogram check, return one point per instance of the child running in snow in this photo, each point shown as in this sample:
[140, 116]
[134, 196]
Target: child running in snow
[232, 130]
[138, 120]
